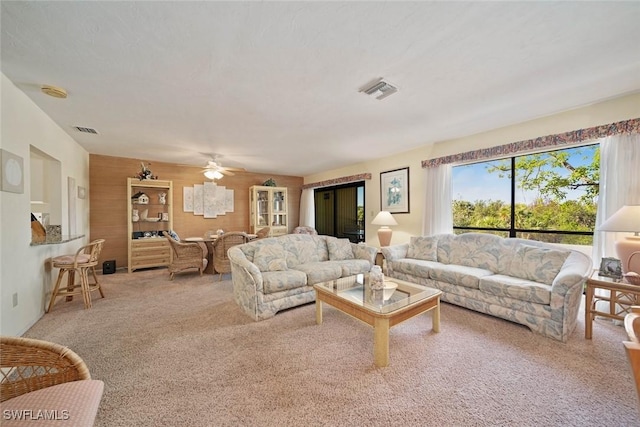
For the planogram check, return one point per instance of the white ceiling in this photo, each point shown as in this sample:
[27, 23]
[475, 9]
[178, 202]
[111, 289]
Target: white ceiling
[273, 86]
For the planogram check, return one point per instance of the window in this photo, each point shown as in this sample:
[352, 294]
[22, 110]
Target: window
[339, 211]
[549, 196]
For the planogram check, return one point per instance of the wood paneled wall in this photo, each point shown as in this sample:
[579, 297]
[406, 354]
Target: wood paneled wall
[108, 201]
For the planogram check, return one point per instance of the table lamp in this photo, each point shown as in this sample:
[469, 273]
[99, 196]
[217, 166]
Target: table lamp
[626, 219]
[384, 219]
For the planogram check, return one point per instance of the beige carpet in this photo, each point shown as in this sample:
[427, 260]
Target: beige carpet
[182, 353]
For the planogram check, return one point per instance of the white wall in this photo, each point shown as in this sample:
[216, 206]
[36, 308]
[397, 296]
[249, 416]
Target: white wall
[25, 269]
[623, 108]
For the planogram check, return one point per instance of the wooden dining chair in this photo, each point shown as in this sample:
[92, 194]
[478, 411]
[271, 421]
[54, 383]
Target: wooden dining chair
[83, 262]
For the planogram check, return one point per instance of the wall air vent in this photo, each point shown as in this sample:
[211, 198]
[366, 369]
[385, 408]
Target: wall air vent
[85, 129]
[379, 88]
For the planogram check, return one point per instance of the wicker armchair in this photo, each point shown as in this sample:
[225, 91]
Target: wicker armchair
[39, 375]
[222, 244]
[632, 346]
[186, 255]
[263, 232]
[304, 229]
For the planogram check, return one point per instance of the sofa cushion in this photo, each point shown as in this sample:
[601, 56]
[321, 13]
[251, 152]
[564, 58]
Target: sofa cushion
[537, 264]
[302, 248]
[276, 281]
[414, 267]
[351, 267]
[270, 257]
[423, 247]
[517, 288]
[79, 400]
[339, 249]
[458, 274]
[317, 272]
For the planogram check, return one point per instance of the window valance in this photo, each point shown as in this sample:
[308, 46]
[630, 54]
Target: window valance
[338, 181]
[562, 139]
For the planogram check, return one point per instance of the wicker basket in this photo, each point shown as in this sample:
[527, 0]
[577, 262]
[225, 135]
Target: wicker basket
[633, 279]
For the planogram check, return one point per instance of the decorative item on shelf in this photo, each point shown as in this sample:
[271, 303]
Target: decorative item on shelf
[633, 278]
[162, 198]
[610, 267]
[140, 198]
[143, 214]
[165, 216]
[626, 219]
[135, 215]
[384, 219]
[145, 172]
[269, 183]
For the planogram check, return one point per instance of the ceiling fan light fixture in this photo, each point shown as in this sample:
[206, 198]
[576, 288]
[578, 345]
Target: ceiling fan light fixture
[212, 174]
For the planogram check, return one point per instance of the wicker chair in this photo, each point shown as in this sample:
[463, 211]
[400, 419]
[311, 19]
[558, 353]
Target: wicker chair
[263, 232]
[304, 229]
[38, 375]
[186, 255]
[83, 262]
[632, 347]
[222, 244]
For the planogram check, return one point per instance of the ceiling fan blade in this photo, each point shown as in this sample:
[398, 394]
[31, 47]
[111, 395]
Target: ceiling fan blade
[226, 172]
[234, 169]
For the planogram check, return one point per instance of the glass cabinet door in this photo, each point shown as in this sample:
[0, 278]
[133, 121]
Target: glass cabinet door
[279, 208]
[262, 207]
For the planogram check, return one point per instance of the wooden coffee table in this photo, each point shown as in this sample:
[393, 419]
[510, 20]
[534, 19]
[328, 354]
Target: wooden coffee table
[352, 296]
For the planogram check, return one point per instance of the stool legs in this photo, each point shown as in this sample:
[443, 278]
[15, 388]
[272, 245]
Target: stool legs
[85, 287]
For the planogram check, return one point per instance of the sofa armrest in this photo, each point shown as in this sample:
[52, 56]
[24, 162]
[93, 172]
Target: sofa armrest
[392, 253]
[245, 271]
[573, 273]
[361, 251]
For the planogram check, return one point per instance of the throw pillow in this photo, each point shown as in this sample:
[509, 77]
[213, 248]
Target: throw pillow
[339, 249]
[270, 257]
[537, 264]
[424, 248]
[173, 235]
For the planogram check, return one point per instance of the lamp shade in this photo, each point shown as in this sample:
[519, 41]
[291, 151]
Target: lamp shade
[627, 218]
[384, 218]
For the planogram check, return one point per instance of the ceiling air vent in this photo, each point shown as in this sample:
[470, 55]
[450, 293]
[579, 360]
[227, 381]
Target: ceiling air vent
[85, 129]
[379, 88]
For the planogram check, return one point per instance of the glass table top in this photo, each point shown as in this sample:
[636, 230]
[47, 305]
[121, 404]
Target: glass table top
[356, 290]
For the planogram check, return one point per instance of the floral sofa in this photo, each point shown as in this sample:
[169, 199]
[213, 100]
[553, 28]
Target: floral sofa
[275, 273]
[532, 283]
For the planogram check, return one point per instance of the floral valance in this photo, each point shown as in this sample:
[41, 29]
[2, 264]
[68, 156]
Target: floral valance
[338, 181]
[567, 138]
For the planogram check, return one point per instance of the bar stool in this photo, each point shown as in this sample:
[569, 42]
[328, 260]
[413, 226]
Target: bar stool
[84, 260]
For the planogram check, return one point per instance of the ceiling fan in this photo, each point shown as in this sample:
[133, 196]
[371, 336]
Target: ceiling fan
[215, 170]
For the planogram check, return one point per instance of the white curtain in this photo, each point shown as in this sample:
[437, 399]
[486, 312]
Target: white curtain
[619, 186]
[437, 214]
[307, 208]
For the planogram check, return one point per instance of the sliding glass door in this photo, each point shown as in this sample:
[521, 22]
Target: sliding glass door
[340, 211]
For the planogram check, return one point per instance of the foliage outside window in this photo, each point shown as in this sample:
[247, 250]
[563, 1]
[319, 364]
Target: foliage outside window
[549, 196]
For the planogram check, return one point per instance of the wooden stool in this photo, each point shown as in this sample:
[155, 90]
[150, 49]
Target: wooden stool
[84, 260]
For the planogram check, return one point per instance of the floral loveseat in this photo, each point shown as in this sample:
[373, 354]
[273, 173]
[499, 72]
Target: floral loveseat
[275, 273]
[524, 281]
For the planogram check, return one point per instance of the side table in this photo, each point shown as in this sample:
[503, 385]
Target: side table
[622, 296]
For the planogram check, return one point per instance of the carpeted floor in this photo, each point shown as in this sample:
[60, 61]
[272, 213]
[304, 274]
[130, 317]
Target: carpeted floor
[182, 353]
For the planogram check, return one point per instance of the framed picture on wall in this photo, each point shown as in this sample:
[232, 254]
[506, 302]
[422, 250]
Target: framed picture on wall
[394, 191]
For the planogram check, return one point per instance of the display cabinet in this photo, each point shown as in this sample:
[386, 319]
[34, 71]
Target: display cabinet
[150, 204]
[269, 206]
